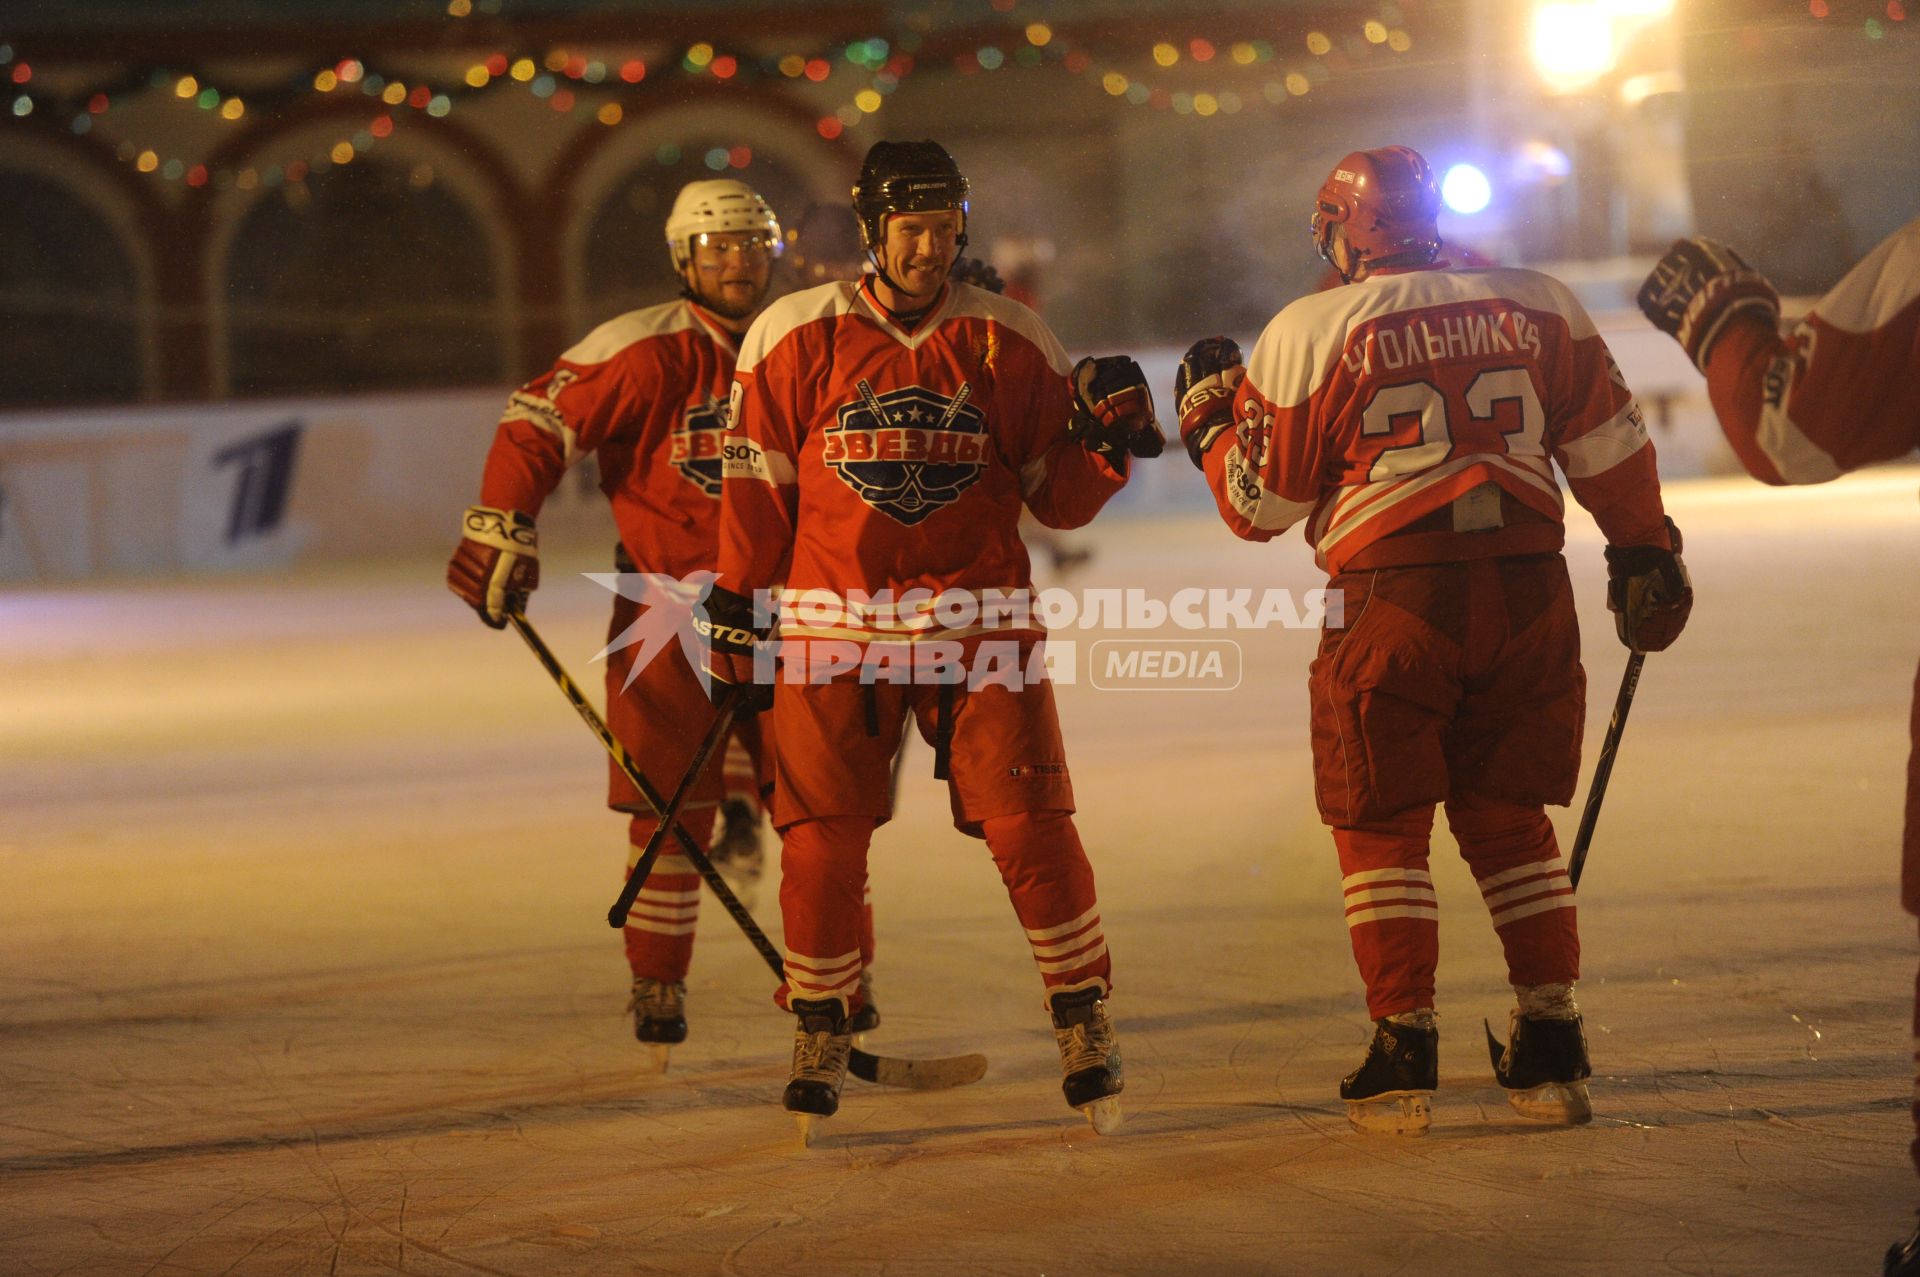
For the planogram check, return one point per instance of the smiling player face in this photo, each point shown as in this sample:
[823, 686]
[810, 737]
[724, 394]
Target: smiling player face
[919, 251]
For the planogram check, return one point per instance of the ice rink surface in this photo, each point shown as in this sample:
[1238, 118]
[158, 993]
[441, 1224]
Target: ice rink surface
[304, 968]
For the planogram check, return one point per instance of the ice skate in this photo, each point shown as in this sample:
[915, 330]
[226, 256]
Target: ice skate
[821, 1044]
[867, 1018]
[1391, 1093]
[1903, 1258]
[659, 1010]
[1544, 1068]
[1089, 1057]
[738, 854]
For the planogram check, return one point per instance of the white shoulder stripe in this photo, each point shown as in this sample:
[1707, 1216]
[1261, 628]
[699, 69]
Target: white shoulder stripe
[982, 303]
[614, 336]
[1294, 356]
[795, 310]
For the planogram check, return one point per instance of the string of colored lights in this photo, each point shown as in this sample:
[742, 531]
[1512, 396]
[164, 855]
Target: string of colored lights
[872, 58]
[606, 89]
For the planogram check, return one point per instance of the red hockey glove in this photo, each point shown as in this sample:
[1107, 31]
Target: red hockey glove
[726, 621]
[1113, 410]
[1209, 377]
[497, 563]
[1696, 288]
[1649, 593]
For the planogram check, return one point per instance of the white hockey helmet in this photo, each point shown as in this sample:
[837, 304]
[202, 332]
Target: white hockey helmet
[721, 204]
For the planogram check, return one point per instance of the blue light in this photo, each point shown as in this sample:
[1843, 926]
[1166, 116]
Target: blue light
[1466, 189]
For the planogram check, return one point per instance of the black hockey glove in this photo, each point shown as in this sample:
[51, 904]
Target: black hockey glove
[726, 621]
[981, 274]
[1113, 410]
[1696, 288]
[1209, 377]
[1649, 593]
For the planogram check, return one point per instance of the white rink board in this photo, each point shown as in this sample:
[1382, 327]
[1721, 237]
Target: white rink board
[303, 966]
[107, 493]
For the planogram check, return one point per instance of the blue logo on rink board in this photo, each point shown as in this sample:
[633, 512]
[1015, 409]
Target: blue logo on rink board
[696, 445]
[908, 452]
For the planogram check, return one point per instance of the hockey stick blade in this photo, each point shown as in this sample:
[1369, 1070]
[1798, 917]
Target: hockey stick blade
[936, 1074]
[918, 1075]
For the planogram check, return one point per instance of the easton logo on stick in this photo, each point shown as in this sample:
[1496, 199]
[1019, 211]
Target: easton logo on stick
[695, 446]
[908, 452]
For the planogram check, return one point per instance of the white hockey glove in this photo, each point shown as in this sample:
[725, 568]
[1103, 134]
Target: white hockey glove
[1696, 288]
[497, 563]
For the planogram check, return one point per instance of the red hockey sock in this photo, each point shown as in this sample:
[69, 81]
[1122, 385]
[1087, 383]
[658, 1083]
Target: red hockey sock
[1051, 885]
[1511, 849]
[1393, 918]
[660, 925]
[823, 888]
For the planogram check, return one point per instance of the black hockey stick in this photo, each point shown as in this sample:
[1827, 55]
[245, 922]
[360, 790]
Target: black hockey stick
[1590, 815]
[920, 1075]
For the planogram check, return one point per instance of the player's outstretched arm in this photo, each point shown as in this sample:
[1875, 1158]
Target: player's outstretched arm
[1697, 288]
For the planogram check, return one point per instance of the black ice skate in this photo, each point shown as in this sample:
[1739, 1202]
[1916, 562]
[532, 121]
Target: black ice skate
[659, 1009]
[737, 853]
[821, 1045]
[1544, 1068]
[1903, 1258]
[867, 1018]
[1391, 1093]
[1089, 1057]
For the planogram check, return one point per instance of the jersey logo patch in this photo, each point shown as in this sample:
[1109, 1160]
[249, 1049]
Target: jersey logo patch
[695, 447]
[908, 452]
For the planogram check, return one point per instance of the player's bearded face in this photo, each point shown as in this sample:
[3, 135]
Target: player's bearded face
[920, 249]
[730, 270]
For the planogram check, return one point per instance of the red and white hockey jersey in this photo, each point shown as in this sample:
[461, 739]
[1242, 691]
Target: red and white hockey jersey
[647, 393]
[1369, 407]
[1843, 389]
[885, 460]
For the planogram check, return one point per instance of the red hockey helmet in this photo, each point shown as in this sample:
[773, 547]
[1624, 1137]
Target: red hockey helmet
[1388, 201]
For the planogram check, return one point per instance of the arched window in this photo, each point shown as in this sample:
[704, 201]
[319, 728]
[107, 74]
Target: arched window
[367, 276]
[69, 299]
[626, 248]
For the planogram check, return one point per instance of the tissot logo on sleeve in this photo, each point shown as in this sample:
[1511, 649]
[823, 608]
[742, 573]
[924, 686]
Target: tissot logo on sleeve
[908, 452]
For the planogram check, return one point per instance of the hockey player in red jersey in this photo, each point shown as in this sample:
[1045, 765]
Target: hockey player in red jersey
[646, 395]
[1410, 419]
[1842, 390]
[887, 431]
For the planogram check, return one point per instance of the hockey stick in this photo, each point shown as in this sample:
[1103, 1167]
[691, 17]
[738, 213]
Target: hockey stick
[919, 1075]
[1590, 815]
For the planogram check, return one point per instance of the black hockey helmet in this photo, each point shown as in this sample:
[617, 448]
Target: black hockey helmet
[907, 177]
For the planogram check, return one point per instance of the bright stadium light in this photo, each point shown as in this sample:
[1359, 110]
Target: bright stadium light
[1572, 43]
[1466, 189]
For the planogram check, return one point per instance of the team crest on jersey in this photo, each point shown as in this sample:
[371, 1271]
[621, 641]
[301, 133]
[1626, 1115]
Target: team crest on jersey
[696, 445]
[908, 452]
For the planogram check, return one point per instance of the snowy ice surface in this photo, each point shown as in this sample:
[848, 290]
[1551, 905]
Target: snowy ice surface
[303, 965]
